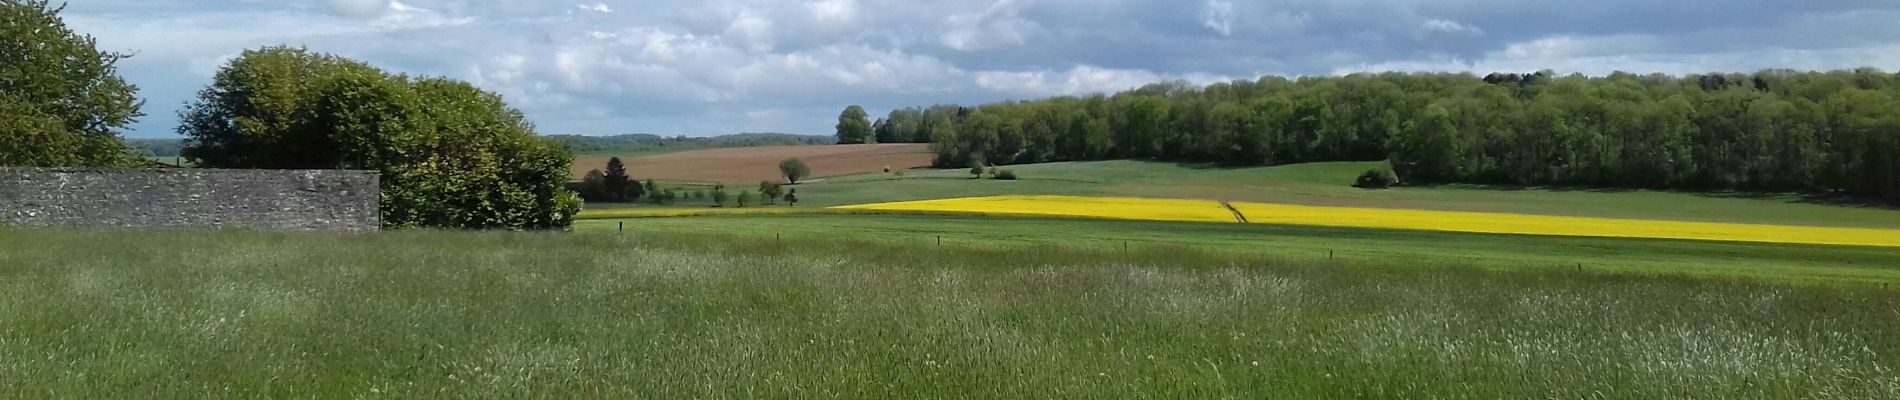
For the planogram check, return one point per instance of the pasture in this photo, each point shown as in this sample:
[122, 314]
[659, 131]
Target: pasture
[754, 164]
[673, 314]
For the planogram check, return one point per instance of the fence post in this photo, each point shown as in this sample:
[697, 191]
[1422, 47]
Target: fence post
[1329, 254]
[939, 240]
[623, 226]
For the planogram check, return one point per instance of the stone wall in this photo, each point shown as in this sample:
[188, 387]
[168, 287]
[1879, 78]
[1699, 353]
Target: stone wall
[255, 199]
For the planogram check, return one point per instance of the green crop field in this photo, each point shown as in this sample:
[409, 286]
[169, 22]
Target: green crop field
[1326, 184]
[673, 314]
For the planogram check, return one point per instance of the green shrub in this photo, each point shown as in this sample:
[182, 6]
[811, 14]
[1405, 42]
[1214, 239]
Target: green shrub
[451, 155]
[1006, 174]
[1380, 177]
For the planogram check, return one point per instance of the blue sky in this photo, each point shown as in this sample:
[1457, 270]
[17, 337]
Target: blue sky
[600, 67]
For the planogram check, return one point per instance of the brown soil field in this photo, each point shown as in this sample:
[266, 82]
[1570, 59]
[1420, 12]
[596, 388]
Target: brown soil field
[753, 164]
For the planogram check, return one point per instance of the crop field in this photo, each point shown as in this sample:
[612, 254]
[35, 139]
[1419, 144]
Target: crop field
[1451, 221]
[676, 314]
[754, 164]
[1811, 264]
[1328, 185]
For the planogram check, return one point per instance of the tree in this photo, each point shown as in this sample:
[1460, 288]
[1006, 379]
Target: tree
[770, 191]
[719, 196]
[619, 187]
[793, 169]
[791, 197]
[854, 126]
[652, 187]
[594, 186]
[450, 155]
[884, 130]
[743, 198]
[61, 99]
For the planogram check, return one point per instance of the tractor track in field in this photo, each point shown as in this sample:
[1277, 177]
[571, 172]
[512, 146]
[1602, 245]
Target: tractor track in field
[1238, 217]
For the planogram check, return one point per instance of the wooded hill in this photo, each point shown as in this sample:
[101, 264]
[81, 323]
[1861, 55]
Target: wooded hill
[1776, 130]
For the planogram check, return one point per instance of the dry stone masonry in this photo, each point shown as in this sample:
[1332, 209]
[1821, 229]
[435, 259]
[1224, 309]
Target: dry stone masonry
[253, 199]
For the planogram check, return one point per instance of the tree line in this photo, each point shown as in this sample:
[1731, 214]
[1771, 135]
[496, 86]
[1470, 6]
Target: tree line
[1775, 130]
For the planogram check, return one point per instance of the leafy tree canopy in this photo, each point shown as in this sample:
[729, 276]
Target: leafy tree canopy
[61, 99]
[451, 155]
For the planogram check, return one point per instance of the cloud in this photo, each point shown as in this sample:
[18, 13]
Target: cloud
[701, 67]
[596, 7]
[1451, 28]
[1079, 80]
[1218, 15]
[357, 8]
[752, 32]
[835, 14]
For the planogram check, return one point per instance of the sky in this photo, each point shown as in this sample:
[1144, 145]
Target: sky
[709, 67]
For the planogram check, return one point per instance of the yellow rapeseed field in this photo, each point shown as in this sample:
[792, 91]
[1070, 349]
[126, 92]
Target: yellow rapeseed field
[1450, 221]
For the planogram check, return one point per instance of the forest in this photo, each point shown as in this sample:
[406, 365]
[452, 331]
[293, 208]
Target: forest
[1835, 132]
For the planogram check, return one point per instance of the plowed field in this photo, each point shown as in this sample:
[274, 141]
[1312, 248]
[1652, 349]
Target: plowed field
[753, 164]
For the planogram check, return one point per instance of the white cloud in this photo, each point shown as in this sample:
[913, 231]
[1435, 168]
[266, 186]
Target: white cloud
[357, 8]
[996, 26]
[1218, 15]
[1079, 80]
[1450, 27]
[752, 32]
[833, 14]
[596, 7]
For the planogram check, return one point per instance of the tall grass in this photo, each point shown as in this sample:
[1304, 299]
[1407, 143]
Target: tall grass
[508, 315]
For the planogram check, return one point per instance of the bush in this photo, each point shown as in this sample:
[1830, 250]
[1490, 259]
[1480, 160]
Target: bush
[451, 155]
[977, 170]
[1380, 177]
[1006, 174]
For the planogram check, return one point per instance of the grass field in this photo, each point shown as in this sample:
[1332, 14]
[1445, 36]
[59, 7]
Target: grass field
[511, 315]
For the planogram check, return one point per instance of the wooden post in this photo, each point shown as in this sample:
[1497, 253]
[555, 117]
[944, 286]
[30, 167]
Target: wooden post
[623, 226]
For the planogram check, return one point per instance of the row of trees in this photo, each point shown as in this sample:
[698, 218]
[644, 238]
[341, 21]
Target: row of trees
[1774, 130]
[769, 193]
